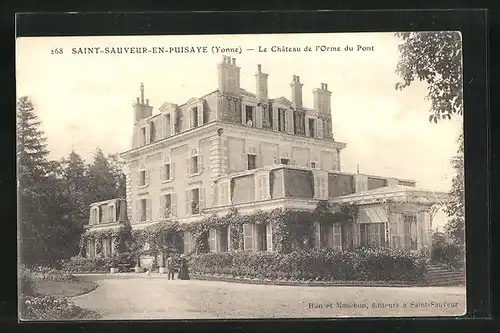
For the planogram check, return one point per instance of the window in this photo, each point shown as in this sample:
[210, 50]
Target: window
[152, 132]
[312, 165]
[372, 234]
[166, 206]
[337, 236]
[111, 216]
[248, 237]
[167, 125]
[252, 161]
[142, 210]
[263, 187]
[410, 231]
[249, 116]
[270, 116]
[320, 186]
[194, 201]
[142, 176]
[311, 128]
[299, 122]
[285, 161]
[94, 216]
[194, 116]
[167, 170]
[143, 136]
[281, 120]
[194, 163]
[261, 237]
[224, 193]
[218, 239]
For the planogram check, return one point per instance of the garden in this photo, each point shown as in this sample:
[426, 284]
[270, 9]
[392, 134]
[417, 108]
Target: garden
[45, 292]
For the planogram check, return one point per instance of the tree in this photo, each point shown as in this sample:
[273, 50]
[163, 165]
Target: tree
[436, 58]
[102, 181]
[455, 207]
[32, 170]
[116, 164]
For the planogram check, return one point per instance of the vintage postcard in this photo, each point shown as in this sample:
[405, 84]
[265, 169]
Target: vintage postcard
[240, 176]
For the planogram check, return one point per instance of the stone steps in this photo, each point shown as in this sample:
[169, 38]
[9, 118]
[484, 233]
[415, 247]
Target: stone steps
[443, 276]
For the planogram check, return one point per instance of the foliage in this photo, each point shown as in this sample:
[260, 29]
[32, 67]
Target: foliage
[382, 264]
[94, 264]
[52, 308]
[103, 184]
[436, 58]
[447, 252]
[46, 273]
[455, 207]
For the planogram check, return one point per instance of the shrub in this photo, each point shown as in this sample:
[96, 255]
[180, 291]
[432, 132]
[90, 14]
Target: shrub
[26, 281]
[52, 308]
[48, 274]
[365, 264]
[447, 252]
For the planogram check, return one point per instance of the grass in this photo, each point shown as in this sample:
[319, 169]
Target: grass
[64, 288]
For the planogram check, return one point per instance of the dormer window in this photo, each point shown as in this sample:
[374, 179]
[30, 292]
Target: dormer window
[312, 127]
[281, 120]
[143, 140]
[194, 116]
[152, 132]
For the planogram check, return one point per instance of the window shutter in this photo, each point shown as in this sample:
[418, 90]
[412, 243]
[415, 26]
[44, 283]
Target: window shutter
[202, 199]
[316, 187]
[174, 204]
[139, 178]
[187, 198]
[188, 120]
[114, 212]
[201, 165]
[148, 209]
[317, 234]
[275, 119]
[319, 130]
[148, 135]
[289, 121]
[172, 170]
[269, 236]
[138, 210]
[212, 239]
[244, 161]
[147, 177]
[248, 237]
[258, 116]
[308, 131]
[161, 209]
[243, 114]
[356, 235]
[188, 166]
[173, 122]
[162, 172]
[200, 114]
[337, 236]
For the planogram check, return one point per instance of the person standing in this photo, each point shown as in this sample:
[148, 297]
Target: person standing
[170, 266]
[183, 269]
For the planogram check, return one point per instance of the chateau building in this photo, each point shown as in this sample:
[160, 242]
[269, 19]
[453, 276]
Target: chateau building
[234, 148]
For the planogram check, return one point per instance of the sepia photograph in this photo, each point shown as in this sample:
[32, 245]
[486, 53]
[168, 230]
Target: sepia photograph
[240, 176]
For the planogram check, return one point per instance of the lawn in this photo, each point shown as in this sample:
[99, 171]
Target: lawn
[64, 288]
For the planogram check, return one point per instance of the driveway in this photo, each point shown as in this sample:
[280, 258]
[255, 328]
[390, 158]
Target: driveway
[136, 296]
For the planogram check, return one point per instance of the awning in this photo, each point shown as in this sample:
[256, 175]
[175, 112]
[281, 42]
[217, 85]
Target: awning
[372, 214]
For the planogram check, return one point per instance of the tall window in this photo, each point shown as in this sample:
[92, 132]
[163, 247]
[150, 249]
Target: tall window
[143, 136]
[152, 132]
[410, 231]
[281, 120]
[167, 170]
[261, 237]
[142, 209]
[252, 161]
[312, 128]
[194, 116]
[320, 186]
[166, 206]
[167, 125]
[270, 116]
[188, 242]
[224, 193]
[194, 201]
[194, 162]
[142, 176]
[299, 122]
[372, 234]
[111, 212]
[263, 187]
[249, 116]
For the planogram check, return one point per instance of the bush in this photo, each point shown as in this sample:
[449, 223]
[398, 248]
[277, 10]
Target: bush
[445, 251]
[27, 281]
[52, 308]
[96, 264]
[48, 274]
[363, 264]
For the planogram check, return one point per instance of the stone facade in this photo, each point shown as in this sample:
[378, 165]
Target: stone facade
[234, 148]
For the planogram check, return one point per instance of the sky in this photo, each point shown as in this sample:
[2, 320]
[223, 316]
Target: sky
[85, 100]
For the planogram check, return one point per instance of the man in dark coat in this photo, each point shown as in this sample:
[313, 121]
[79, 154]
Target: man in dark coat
[170, 267]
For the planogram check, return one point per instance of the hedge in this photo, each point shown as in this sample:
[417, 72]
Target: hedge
[95, 264]
[364, 264]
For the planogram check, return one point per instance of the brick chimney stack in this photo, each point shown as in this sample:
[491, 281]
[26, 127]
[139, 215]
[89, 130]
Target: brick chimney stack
[261, 81]
[229, 76]
[142, 109]
[322, 100]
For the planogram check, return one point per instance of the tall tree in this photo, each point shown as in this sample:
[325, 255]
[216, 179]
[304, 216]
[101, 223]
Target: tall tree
[436, 58]
[102, 181]
[32, 171]
[117, 164]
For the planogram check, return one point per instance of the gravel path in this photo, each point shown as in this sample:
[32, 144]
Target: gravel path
[134, 296]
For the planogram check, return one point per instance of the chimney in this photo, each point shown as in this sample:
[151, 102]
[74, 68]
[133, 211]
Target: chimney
[296, 92]
[261, 80]
[229, 76]
[142, 110]
[322, 99]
